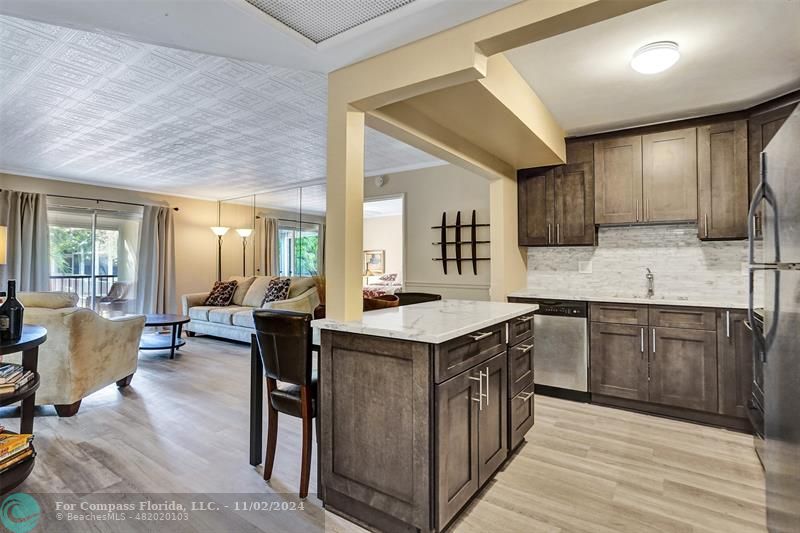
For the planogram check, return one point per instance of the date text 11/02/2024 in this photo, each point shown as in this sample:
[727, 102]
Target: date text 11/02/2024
[149, 506]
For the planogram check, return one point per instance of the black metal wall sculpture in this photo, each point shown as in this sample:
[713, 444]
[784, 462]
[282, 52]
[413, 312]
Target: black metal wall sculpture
[458, 242]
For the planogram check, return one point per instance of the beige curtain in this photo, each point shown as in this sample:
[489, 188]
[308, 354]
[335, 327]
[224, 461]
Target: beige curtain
[155, 284]
[269, 246]
[28, 240]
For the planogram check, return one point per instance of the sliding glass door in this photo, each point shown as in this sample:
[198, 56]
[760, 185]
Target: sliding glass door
[93, 253]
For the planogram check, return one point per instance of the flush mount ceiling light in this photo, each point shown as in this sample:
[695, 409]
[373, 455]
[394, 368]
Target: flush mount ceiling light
[655, 57]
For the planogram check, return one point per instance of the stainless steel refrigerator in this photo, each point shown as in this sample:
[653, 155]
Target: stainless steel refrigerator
[775, 281]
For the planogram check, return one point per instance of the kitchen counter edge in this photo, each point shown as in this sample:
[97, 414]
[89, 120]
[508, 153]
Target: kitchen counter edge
[425, 327]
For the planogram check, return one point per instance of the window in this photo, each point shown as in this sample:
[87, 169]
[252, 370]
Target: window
[298, 248]
[92, 250]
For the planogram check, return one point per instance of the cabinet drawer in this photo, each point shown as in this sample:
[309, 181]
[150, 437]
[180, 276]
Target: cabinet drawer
[683, 317]
[460, 354]
[520, 407]
[520, 372]
[619, 314]
[520, 329]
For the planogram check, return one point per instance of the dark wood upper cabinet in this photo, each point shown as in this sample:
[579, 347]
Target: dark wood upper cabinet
[619, 360]
[618, 180]
[761, 128]
[669, 176]
[722, 186]
[735, 363]
[574, 205]
[556, 206]
[683, 368]
[535, 197]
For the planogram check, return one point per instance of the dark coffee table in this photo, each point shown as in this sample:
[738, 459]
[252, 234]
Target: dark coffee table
[158, 341]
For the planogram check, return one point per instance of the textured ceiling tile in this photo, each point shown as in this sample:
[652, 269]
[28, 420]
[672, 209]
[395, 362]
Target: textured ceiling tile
[95, 108]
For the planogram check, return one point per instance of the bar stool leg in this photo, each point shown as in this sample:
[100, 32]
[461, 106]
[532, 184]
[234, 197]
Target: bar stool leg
[305, 469]
[272, 431]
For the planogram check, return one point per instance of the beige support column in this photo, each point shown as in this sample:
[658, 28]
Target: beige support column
[344, 233]
[509, 261]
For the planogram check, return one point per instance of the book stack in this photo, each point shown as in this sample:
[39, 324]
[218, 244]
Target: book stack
[12, 377]
[14, 449]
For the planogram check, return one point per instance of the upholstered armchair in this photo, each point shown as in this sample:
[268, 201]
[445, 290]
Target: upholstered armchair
[84, 352]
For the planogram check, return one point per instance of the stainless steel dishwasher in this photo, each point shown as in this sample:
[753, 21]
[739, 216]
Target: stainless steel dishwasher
[561, 358]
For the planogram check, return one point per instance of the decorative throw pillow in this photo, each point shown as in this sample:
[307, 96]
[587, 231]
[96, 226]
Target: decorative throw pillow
[222, 293]
[278, 289]
[388, 277]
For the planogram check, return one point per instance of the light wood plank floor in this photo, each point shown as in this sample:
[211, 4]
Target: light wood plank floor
[182, 427]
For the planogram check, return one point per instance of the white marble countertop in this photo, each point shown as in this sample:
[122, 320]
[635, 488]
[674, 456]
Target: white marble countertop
[633, 299]
[431, 322]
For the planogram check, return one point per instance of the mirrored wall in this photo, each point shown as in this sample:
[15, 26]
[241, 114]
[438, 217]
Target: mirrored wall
[274, 233]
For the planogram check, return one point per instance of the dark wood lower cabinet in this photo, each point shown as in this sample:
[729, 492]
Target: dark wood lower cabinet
[404, 450]
[683, 368]
[493, 418]
[619, 360]
[521, 416]
[735, 363]
[471, 428]
[457, 439]
[688, 362]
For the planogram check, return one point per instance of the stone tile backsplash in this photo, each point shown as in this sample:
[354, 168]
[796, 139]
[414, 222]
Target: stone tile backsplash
[684, 267]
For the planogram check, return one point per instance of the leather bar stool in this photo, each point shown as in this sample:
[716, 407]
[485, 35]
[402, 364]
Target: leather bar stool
[284, 343]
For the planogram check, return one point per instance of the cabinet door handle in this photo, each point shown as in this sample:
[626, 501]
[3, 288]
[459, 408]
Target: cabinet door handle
[524, 318]
[558, 233]
[728, 324]
[524, 348]
[705, 216]
[487, 385]
[638, 211]
[479, 336]
[642, 341]
[549, 233]
[479, 399]
[525, 396]
[654, 340]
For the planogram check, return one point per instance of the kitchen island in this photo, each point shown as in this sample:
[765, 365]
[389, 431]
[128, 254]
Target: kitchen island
[419, 407]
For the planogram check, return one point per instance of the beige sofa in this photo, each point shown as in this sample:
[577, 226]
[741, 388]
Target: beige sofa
[235, 321]
[83, 353]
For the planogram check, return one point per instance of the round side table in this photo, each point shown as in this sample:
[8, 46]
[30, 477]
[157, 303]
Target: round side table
[28, 344]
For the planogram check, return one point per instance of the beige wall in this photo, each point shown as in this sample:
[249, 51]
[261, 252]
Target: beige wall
[386, 233]
[428, 192]
[195, 245]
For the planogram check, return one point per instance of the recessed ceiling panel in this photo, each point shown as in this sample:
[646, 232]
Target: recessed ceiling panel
[318, 20]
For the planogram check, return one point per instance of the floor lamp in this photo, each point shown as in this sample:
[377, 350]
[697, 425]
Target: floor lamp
[244, 233]
[219, 231]
[3, 241]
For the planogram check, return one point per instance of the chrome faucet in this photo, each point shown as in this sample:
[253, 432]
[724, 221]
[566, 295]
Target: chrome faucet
[650, 284]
